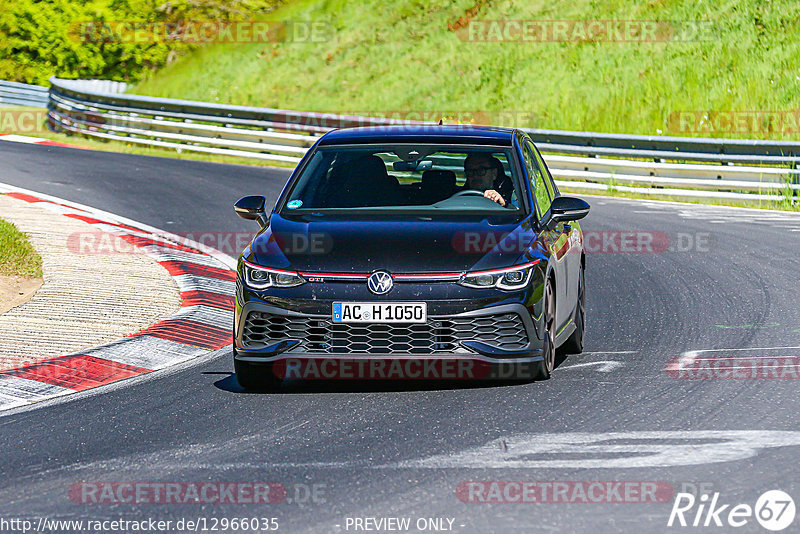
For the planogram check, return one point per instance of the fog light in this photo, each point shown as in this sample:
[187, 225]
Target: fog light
[484, 280]
[286, 280]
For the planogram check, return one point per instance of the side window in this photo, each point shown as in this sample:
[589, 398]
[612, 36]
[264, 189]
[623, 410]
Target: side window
[537, 180]
[548, 179]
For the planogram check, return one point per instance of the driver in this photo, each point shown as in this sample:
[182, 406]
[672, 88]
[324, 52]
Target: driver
[485, 173]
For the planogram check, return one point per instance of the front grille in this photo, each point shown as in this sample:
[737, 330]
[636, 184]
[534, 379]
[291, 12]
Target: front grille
[321, 336]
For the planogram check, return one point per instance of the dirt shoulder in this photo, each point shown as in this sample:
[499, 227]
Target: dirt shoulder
[16, 290]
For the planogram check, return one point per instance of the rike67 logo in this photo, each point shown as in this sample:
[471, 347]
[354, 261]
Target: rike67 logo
[774, 510]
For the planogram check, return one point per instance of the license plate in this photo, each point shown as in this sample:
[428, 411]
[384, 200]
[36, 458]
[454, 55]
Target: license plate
[380, 312]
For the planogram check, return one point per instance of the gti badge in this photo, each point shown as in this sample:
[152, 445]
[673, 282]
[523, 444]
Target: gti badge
[380, 282]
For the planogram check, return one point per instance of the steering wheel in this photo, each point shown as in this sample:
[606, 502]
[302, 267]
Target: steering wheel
[468, 192]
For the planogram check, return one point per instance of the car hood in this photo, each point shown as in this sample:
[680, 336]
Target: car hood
[398, 245]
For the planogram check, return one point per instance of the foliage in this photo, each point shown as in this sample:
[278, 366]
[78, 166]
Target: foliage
[69, 39]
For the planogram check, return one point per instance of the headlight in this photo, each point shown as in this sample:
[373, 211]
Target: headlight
[261, 277]
[511, 278]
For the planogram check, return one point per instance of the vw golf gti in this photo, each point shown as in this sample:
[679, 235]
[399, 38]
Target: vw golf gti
[411, 244]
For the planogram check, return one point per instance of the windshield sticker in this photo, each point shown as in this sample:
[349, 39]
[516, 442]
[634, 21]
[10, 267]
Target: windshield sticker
[294, 204]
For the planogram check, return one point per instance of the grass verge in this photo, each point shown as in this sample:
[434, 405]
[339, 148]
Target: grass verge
[398, 58]
[19, 257]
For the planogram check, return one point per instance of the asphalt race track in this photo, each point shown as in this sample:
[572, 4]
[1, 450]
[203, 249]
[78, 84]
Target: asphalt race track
[384, 450]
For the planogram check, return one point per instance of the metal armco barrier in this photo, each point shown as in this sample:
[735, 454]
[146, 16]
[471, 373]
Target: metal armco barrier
[22, 94]
[721, 168]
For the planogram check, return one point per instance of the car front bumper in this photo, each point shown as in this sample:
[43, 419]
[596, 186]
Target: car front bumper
[499, 334]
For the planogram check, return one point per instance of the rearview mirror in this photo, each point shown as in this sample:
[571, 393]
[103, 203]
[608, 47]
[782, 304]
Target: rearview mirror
[567, 209]
[252, 209]
[419, 165]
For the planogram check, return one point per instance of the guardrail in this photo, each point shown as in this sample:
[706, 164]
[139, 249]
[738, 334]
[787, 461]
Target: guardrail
[22, 94]
[675, 166]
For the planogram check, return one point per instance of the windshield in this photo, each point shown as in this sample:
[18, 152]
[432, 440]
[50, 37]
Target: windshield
[407, 178]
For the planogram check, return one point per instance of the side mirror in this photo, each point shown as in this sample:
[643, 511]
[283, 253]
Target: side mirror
[252, 209]
[567, 209]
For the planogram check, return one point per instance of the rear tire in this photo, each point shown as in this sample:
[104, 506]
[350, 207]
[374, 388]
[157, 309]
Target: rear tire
[544, 369]
[256, 376]
[574, 343]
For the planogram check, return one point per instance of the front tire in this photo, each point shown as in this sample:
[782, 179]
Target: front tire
[574, 344]
[545, 367]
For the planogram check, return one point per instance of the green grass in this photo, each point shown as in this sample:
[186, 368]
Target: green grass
[402, 57]
[18, 256]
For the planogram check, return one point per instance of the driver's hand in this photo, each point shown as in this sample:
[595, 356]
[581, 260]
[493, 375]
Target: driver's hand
[491, 194]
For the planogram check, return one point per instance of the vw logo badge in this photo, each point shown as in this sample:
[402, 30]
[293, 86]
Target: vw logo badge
[380, 282]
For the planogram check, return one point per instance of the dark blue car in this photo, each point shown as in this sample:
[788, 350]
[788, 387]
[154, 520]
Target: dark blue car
[411, 252]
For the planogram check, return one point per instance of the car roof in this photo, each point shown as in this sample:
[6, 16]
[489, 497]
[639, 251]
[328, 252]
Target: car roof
[421, 133]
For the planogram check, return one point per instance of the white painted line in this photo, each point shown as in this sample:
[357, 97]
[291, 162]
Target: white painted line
[145, 351]
[203, 357]
[732, 357]
[605, 366]
[694, 352]
[207, 315]
[14, 138]
[171, 254]
[227, 260]
[602, 450]
[610, 352]
[25, 388]
[190, 282]
[612, 450]
[688, 358]
[7, 403]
